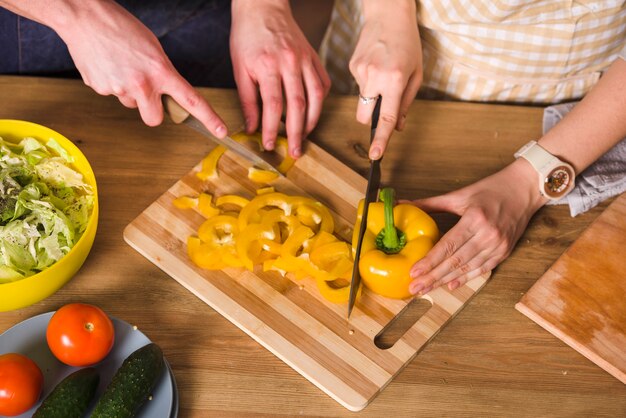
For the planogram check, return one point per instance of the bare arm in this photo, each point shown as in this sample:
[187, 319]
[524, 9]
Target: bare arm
[494, 215]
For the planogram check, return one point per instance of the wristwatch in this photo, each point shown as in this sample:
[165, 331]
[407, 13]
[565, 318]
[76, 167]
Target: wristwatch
[556, 177]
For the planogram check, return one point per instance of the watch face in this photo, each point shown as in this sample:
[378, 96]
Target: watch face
[558, 182]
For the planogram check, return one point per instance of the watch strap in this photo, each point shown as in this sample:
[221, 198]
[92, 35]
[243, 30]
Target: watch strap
[537, 156]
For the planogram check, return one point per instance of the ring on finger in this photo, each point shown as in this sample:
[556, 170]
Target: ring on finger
[367, 100]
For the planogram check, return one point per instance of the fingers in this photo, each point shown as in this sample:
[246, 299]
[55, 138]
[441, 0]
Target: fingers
[316, 90]
[193, 102]
[465, 264]
[272, 97]
[128, 102]
[389, 110]
[446, 247]
[150, 109]
[249, 98]
[296, 109]
[397, 93]
[407, 98]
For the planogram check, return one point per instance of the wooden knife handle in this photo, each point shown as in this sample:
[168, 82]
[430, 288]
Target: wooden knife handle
[177, 113]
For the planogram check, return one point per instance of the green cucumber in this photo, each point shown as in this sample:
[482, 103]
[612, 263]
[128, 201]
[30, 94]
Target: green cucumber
[132, 384]
[71, 397]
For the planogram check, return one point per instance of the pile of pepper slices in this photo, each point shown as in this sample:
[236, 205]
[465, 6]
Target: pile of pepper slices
[288, 234]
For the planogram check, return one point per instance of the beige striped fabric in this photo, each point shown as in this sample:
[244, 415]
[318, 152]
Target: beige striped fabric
[533, 51]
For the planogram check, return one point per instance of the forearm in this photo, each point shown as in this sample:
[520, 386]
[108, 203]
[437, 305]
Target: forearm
[64, 16]
[595, 125]
[240, 7]
[398, 11]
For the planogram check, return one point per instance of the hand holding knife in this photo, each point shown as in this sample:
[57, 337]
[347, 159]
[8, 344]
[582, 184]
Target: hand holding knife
[179, 115]
[371, 194]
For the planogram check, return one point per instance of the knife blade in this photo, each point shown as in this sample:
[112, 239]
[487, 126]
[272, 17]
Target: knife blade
[371, 193]
[179, 115]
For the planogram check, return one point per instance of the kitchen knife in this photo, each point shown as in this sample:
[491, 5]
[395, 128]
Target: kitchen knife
[179, 115]
[371, 193]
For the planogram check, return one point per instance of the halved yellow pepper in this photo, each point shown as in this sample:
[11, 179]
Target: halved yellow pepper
[396, 238]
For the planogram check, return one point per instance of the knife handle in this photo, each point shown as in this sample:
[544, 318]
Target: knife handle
[177, 113]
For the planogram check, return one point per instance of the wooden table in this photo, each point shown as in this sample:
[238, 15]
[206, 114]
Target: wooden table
[489, 361]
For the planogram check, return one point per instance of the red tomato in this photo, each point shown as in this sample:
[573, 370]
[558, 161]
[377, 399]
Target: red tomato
[80, 335]
[21, 382]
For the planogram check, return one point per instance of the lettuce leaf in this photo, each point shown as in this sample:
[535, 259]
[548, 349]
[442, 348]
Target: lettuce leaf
[44, 206]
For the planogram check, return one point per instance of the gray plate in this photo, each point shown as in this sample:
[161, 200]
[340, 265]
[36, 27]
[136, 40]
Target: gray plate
[29, 338]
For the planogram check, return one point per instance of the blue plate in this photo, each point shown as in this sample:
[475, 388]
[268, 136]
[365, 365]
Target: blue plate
[29, 338]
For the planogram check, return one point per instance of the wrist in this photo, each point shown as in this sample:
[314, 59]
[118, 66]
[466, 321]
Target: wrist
[380, 9]
[523, 178]
[240, 7]
[72, 15]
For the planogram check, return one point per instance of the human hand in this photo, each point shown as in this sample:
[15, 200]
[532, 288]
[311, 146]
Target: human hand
[493, 217]
[272, 57]
[387, 61]
[117, 55]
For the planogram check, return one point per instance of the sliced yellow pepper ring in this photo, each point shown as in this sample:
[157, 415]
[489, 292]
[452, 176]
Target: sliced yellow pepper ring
[313, 214]
[261, 176]
[205, 255]
[231, 199]
[320, 239]
[209, 163]
[270, 246]
[252, 234]
[217, 236]
[277, 218]
[251, 213]
[295, 242]
[185, 202]
[265, 190]
[205, 207]
[326, 257]
[219, 230]
[335, 291]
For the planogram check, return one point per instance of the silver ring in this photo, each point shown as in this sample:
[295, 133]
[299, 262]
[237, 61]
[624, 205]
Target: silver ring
[367, 100]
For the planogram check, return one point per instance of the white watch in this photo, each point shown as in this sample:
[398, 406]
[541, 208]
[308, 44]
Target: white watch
[556, 177]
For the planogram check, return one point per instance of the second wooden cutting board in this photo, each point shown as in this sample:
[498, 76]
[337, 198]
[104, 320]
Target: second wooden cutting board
[288, 316]
[581, 299]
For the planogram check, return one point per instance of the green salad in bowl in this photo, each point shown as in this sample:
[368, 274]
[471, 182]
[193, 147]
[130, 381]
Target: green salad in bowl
[45, 206]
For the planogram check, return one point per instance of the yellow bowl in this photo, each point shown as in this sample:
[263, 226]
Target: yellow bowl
[25, 292]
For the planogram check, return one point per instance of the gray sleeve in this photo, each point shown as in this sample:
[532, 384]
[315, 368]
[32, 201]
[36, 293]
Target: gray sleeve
[622, 53]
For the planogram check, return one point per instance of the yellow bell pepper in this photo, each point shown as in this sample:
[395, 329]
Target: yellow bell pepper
[396, 238]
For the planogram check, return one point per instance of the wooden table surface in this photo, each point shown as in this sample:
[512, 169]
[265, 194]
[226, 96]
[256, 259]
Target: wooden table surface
[489, 361]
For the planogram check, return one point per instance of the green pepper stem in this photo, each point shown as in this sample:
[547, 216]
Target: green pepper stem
[390, 239]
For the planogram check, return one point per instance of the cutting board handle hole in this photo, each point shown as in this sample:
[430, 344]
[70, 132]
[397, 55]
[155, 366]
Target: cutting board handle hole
[401, 323]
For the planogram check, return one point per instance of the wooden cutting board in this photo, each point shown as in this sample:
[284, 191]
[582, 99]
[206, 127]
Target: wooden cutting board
[581, 299]
[285, 315]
